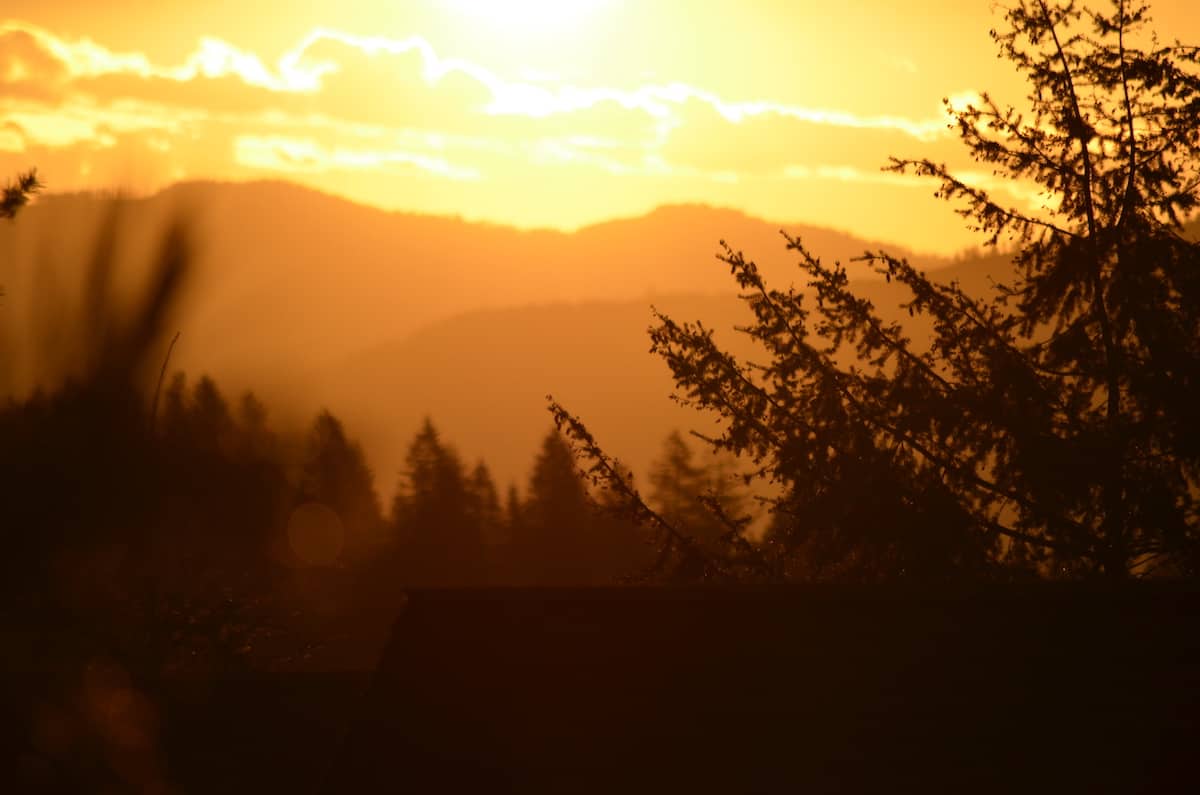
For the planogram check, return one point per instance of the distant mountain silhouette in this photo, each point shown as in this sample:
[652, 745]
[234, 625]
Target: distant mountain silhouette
[384, 317]
[484, 375]
[289, 271]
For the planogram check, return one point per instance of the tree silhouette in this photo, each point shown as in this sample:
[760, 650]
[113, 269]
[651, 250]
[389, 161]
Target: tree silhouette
[484, 503]
[436, 519]
[513, 510]
[16, 195]
[624, 552]
[336, 474]
[682, 490]
[18, 192]
[676, 481]
[563, 535]
[555, 519]
[1046, 427]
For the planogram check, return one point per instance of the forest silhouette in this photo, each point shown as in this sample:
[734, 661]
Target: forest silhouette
[1022, 418]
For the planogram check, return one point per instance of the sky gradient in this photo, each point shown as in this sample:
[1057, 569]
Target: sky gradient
[527, 112]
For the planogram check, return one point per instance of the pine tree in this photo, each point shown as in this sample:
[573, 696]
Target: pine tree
[1047, 428]
[565, 535]
[436, 522]
[175, 408]
[336, 474]
[624, 549]
[1106, 296]
[676, 482]
[211, 422]
[556, 542]
[513, 511]
[682, 490]
[17, 193]
[485, 507]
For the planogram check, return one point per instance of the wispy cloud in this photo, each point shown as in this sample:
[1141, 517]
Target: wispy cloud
[305, 67]
[339, 107]
[287, 154]
[213, 58]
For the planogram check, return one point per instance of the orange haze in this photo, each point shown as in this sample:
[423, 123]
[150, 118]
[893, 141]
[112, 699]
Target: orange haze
[524, 112]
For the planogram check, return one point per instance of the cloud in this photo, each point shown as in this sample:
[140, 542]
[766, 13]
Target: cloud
[765, 143]
[28, 71]
[401, 85]
[281, 153]
[12, 137]
[339, 107]
[400, 72]
[212, 58]
[663, 101]
[81, 120]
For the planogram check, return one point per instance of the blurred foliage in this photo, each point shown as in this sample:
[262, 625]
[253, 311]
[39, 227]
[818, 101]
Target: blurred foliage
[18, 192]
[152, 520]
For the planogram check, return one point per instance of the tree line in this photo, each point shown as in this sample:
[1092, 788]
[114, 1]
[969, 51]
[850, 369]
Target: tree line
[190, 525]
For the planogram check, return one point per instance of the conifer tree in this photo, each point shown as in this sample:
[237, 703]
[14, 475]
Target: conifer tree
[212, 424]
[681, 489]
[18, 192]
[436, 523]
[624, 551]
[1046, 428]
[565, 535]
[484, 503]
[556, 542]
[676, 481]
[513, 511]
[336, 474]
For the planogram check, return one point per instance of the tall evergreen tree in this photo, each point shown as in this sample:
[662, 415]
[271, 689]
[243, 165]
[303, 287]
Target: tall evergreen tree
[677, 482]
[487, 516]
[624, 550]
[211, 422]
[436, 522]
[1046, 428]
[700, 496]
[484, 503]
[256, 436]
[336, 475]
[513, 511]
[564, 536]
[1092, 348]
[174, 412]
[556, 543]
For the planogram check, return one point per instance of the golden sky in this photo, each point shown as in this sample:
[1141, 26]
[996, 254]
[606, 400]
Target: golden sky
[526, 112]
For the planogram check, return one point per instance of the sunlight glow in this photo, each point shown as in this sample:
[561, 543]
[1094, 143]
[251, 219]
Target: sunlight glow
[586, 109]
[526, 17]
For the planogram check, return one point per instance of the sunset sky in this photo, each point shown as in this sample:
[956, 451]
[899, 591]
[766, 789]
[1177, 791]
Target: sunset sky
[526, 112]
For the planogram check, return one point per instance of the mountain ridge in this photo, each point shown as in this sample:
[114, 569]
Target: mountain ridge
[193, 186]
[381, 316]
[282, 267]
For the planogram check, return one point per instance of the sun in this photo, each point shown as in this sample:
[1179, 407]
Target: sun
[527, 17]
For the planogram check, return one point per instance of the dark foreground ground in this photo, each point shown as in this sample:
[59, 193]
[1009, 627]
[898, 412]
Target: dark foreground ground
[1049, 689]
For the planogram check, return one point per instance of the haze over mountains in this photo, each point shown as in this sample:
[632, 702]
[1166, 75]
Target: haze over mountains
[385, 317]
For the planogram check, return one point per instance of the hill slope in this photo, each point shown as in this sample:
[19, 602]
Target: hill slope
[483, 376]
[385, 317]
